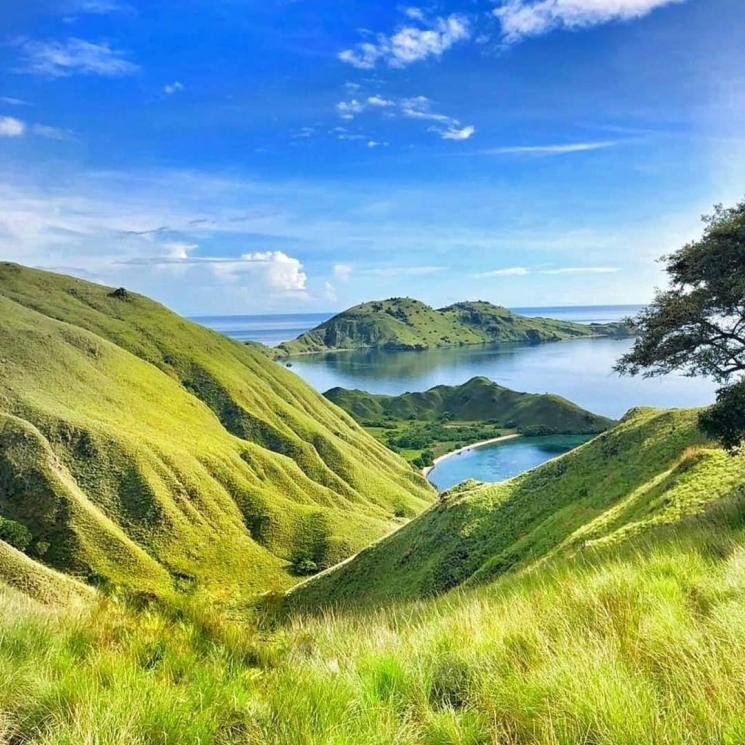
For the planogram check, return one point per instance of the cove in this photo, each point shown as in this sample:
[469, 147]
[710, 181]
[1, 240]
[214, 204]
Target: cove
[501, 461]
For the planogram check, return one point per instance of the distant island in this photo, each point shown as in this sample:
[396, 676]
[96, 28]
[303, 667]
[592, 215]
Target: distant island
[408, 324]
[424, 426]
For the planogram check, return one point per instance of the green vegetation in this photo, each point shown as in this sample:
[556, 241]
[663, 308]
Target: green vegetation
[623, 623]
[653, 468]
[698, 324]
[139, 449]
[403, 323]
[423, 426]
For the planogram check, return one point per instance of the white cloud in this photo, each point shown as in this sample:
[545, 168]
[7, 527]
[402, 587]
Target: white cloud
[11, 127]
[174, 87]
[329, 292]
[281, 272]
[343, 272]
[98, 7]
[454, 133]
[410, 44]
[420, 107]
[12, 101]
[349, 109]
[522, 18]
[513, 271]
[583, 270]
[576, 147]
[373, 143]
[51, 133]
[59, 59]
[403, 271]
[416, 14]
[379, 101]
[180, 250]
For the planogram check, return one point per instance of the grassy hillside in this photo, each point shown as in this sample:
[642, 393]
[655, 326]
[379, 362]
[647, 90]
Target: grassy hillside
[139, 448]
[631, 631]
[403, 323]
[477, 400]
[652, 469]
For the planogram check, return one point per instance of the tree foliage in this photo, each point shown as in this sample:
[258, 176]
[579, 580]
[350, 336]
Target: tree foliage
[697, 325]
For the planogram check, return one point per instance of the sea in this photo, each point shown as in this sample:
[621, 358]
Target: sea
[580, 370]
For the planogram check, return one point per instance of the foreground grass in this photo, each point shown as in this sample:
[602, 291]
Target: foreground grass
[640, 644]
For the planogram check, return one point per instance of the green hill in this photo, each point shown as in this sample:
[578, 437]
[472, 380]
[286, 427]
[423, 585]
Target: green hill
[653, 469]
[477, 400]
[138, 448]
[406, 324]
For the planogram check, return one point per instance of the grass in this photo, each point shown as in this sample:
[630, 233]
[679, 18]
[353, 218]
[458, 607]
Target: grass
[636, 643]
[404, 323]
[141, 449]
[654, 468]
[634, 635]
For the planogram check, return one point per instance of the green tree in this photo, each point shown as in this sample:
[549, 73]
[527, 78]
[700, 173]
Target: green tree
[697, 326]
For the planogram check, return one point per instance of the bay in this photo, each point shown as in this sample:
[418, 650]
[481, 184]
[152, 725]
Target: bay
[501, 461]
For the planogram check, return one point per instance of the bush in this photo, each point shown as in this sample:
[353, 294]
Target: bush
[15, 534]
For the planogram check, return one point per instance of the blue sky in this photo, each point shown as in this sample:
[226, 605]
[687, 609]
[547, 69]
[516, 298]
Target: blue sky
[236, 156]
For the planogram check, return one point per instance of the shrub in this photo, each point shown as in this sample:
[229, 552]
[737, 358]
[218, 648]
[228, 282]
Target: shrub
[15, 534]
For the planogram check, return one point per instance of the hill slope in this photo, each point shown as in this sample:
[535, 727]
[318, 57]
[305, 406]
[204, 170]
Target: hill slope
[140, 448]
[406, 324]
[477, 400]
[652, 469]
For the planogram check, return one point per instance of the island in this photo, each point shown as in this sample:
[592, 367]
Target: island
[408, 324]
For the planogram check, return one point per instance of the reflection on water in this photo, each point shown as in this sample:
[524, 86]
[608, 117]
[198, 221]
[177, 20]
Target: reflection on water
[580, 370]
[503, 460]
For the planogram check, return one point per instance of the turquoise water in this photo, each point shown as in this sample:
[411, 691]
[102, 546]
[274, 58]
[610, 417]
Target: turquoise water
[503, 460]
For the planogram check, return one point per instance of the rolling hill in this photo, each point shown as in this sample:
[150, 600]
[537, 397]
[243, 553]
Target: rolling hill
[140, 449]
[407, 324]
[477, 400]
[653, 469]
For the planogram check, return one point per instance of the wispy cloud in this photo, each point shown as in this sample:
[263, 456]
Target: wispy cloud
[402, 271]
[522, 271]
[574, 147]
[57, 59]
[13, 101]
[379, 101]
[11, 127]
[583, 270]
[513, 271]
[174, 87]
[98, 7]
[524, 18]
[51, 133]
[409, 44]
[455, 133]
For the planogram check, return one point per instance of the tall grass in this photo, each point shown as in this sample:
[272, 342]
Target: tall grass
[636, 645]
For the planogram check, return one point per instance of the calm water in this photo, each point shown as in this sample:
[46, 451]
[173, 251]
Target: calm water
[503, 460]
[580, 370]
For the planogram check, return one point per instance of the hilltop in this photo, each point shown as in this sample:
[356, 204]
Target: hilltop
[141, 449]
[407, 324]
[653, 469]
[479, 399]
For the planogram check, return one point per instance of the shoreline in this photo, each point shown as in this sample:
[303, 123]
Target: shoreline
[426, 471]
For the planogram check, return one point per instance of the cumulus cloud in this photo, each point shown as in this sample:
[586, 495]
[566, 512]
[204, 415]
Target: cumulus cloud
[410, 44]
[57, 59]
[343, 272]
[11, 127]
[349, 109]
[522, 18]
[278, 270]
[379, 101]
